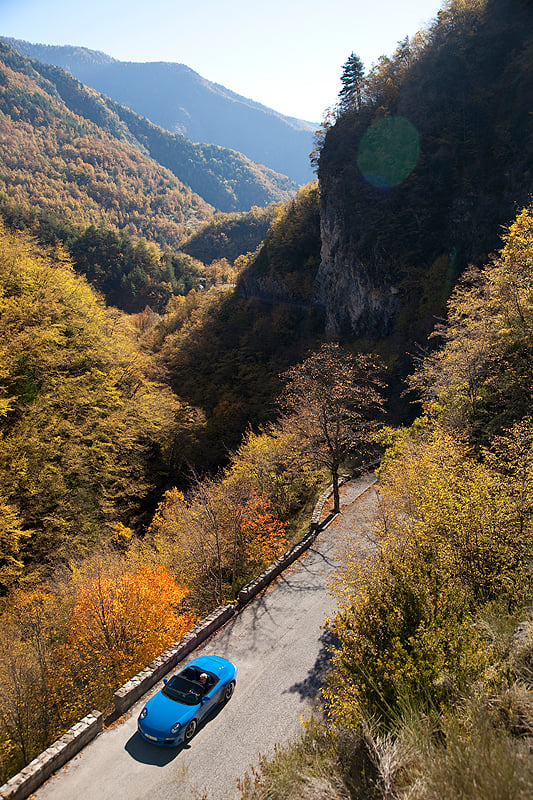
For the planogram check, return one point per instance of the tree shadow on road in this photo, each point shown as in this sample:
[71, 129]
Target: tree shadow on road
[309, 688]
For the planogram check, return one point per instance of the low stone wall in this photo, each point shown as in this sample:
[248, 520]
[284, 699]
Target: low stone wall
[321, 502]
[266, 577]
[54, 757]
[131, 691]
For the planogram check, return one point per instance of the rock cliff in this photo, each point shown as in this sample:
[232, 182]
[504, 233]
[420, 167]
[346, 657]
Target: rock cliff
[357, 297]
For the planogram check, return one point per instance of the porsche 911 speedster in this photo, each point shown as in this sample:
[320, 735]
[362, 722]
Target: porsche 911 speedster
[172, 716]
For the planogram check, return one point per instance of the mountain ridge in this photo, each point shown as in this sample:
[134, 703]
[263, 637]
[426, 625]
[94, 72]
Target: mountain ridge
[47, 95]
[180, 100]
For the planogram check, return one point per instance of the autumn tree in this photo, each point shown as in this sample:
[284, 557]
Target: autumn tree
[30, 718]
[122, 617]
[481, 372]
[263, 536]
[11, 537]
[21, 728]
[270, 463]
[333, 400]
[217, 537]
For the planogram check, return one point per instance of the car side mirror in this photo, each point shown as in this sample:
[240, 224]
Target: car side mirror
[165, 680]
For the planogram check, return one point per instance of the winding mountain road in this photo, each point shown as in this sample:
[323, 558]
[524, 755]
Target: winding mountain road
[280, 648]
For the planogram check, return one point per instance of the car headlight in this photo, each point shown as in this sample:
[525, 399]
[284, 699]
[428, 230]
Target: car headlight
[175, 728]
[143, 713]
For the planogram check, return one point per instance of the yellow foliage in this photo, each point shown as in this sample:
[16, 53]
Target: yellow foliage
[439, 495]
[482, 373]
[454, 532]
[11, 537]
[79, 415]
[271, 462]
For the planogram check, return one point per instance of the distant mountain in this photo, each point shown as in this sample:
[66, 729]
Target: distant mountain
[51, 122]
[181, 101]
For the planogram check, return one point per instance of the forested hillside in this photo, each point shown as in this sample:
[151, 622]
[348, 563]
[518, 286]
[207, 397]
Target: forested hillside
[89, 429]
[58, 112]
[56, 161]
[71, 171]
[224, 352]
[230, 235]
[181, 101]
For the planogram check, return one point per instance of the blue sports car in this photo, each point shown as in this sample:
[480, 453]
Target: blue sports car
[172, 715]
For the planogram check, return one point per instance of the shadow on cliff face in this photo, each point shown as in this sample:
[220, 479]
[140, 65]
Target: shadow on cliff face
[309, 688]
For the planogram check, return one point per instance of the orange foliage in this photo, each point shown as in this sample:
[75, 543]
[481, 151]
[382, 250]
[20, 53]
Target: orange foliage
[119, 623]
[265, 536]
[65, 652]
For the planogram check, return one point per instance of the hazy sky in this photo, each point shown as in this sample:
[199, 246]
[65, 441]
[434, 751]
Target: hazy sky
[286, 54]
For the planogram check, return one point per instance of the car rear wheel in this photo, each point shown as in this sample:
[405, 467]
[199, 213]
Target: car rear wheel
[228, 691]
[190, 730]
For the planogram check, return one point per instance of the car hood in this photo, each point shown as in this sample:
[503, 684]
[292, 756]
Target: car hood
[163, 712]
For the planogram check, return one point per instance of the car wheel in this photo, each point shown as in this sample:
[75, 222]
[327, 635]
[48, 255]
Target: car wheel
[190, 730]
[228, 691]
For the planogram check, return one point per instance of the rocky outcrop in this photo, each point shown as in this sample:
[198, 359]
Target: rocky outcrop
[356, 294]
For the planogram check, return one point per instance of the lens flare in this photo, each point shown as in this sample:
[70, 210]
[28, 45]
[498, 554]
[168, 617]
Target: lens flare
[388, 152]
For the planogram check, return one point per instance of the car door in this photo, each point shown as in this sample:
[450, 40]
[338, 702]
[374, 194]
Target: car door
[210, 700]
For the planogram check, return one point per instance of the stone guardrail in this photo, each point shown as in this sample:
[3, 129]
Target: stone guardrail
[37, 771]
[266, 577]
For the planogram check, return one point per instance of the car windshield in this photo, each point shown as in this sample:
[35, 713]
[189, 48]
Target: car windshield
[182, 690]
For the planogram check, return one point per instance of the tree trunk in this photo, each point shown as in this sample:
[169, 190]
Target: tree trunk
[336, 496]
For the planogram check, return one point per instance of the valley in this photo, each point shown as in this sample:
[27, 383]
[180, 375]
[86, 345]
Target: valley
[159, 297]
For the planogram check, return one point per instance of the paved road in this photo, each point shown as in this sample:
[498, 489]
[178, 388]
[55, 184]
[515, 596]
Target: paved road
[280, 648]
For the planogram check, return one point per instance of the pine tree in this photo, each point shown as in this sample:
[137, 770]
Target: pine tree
[352, 80]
